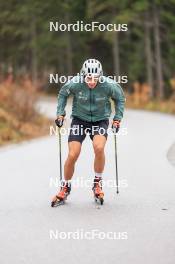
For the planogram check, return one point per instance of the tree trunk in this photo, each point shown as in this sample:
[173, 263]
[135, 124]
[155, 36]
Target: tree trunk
[69, 48]
[34, 51]
[148, 53]
[116, 57]
[158, 53]
[61, 64]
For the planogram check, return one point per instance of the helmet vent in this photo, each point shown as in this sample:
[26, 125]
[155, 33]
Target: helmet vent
[93, 67]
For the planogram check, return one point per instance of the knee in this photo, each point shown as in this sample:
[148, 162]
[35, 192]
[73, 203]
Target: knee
[73, 156]
[98, 149]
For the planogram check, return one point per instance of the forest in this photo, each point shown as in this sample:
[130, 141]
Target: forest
[145, 52]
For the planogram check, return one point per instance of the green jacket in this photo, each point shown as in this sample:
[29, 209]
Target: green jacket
[92, 104]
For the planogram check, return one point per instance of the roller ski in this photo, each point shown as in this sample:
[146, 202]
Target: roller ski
[61, 197]
[98, 192]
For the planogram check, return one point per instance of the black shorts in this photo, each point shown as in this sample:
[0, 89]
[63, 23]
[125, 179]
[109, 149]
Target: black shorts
[80, 128]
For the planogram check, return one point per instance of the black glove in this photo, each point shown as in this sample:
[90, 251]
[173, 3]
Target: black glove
[116, 126]
[59, 122]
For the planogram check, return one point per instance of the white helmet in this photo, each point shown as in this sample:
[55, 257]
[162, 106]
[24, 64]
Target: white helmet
[92, 67]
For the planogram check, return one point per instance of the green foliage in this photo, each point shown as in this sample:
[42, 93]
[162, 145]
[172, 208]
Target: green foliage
[27, 44]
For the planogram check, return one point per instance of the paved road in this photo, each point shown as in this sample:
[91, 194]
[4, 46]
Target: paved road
[141, 217]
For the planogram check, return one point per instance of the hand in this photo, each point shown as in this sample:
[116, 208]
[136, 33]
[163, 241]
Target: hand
[116, 125]
[59, 121]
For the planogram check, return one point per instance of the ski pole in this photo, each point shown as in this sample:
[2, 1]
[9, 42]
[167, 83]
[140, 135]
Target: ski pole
[116, 167]
[60, 156]
[59, 123]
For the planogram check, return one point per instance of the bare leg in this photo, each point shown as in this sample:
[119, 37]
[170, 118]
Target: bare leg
[74, 151]
[99, 142]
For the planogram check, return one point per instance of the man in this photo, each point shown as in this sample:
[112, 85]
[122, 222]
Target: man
[91, 110]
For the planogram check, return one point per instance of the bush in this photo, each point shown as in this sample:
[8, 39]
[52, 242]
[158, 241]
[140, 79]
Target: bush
[19, 100]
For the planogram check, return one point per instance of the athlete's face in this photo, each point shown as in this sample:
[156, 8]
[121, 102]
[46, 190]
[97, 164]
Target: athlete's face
[91, 81]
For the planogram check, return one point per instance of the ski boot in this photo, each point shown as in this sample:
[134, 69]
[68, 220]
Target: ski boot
[97, 190]
[60, 198]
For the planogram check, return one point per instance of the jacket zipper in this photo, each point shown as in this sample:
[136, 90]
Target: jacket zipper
[90, 103]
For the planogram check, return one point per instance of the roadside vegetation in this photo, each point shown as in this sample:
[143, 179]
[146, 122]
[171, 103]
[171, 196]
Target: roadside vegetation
[19, 119]
[139, 98]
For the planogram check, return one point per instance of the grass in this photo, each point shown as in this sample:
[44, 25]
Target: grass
[14, 132]
[163, 106]
[18, 118]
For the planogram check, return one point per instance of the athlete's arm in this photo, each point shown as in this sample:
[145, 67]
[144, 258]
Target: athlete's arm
[119, 101]
[63, 95]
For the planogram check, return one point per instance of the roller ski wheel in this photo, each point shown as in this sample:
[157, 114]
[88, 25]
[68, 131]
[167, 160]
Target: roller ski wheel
[61, 197]
[57, 201]
[98, 192]
[99, 199]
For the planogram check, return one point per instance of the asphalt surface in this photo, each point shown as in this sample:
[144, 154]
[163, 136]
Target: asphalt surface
[171, 154]
[141, 218]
